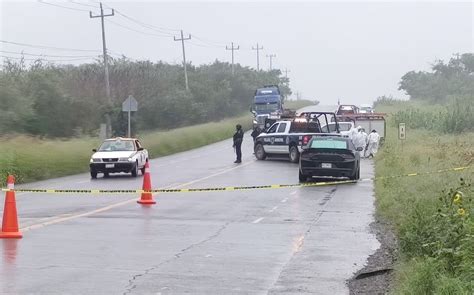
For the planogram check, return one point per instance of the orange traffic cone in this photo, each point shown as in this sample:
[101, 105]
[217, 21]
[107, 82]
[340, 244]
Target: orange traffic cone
[147, 197]
[10, 219]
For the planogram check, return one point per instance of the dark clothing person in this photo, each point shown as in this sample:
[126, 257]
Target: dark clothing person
[256, 132]
[238, 138]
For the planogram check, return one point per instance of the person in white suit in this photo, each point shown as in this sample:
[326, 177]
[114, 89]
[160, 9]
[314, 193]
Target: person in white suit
[372, 144]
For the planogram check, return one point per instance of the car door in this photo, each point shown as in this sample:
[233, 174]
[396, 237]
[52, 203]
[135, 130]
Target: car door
[140, 154]
[280, 143]
[269, 139]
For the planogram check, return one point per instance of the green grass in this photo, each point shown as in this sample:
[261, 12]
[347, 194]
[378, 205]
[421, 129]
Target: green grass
[436, 242]
[31, 159]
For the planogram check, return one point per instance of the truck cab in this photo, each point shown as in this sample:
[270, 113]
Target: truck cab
[267, 104]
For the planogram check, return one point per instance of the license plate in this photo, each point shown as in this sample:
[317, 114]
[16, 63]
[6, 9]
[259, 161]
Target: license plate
[109, 165]
[326, 165]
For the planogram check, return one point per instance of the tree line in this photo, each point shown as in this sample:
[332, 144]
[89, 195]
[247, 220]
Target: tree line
[454, 79]
[45, 99]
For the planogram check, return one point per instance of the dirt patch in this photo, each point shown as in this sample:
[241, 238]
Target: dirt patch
[376, 277]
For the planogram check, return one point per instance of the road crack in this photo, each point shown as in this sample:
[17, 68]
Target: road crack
[132, 282]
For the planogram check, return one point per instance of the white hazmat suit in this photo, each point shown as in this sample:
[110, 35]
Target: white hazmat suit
[372, 143]
[359, 140]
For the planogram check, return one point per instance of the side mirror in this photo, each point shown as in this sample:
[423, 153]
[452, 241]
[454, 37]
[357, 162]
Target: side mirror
[94, 150]
[140, 149]
[304, 148]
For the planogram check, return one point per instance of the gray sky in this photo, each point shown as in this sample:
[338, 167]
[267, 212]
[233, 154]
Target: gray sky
[354, 51]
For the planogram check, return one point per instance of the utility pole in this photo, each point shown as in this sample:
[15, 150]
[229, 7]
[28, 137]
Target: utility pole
[258, 55]
[232, 48]
[108, 121]
[271, 56]
[182, 39]
[286, 71]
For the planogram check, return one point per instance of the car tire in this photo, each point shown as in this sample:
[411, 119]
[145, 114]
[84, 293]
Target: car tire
[106, 174]
[294, 154]
[135, 170]
[260, 152]
[302, 177]
[93, 175]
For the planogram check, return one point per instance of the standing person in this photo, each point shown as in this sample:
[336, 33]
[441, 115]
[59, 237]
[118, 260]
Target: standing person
[372, 143]
[238, 138]
[359, 141]
[256, 132]
[364, 136]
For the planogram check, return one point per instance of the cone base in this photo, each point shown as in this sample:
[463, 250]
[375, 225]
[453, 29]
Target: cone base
[146, 202]
[12, 235]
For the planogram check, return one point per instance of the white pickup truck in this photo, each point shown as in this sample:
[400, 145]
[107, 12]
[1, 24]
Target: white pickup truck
[117, 155]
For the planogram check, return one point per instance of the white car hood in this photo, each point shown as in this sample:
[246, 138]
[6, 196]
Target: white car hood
[101, 155]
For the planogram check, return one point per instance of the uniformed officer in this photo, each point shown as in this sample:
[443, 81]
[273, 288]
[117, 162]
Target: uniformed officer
[238, 138]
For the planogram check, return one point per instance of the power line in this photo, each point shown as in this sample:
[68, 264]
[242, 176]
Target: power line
[61, 6]
[258, 55]
[182, 39]
[46, 55]
[143, 24]
[137, 31]
[106, 66]
[48, 47]
[271, 56]
[83, 4]
[232, 49]
[40, 58]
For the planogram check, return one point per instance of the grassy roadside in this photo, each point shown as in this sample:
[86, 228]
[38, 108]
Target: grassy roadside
[434, 224]
[31, 158]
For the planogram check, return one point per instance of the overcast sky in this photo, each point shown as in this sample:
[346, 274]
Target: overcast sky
[354, 51]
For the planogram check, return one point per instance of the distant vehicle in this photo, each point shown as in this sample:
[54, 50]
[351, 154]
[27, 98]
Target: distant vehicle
[346, 109]
[117, 155]
[367, 121]
[286, 137]
[366, 109]
[268, 103]
[329, 156]
[345, 128]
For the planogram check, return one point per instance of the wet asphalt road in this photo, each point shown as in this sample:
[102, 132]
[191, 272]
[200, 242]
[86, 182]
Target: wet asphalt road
[280, 241]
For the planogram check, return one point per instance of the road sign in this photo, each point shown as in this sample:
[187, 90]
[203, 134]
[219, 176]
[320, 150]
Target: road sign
[401, 131]
[129, 105]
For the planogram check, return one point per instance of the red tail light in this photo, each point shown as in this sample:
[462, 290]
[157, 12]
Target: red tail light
[306, 139]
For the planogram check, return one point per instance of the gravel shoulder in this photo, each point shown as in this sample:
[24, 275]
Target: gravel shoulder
[377, 276]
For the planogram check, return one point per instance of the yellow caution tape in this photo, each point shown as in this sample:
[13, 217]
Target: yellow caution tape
[219, 189]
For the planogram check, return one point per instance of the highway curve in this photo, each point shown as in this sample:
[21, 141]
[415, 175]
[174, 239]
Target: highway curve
[296, 240]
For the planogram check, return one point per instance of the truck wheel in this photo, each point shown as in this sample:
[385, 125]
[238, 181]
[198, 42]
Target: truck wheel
[135, 170]
[302, 177]
[260, 152]
[93, 174]
[106, 174]
[294, 154]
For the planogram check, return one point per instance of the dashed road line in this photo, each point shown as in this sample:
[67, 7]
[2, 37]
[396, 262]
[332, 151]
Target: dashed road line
[61, 218]
[284, 200]
[258, 220]
[273, 209]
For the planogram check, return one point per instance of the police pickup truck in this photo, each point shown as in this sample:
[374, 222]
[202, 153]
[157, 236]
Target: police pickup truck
[287, 137]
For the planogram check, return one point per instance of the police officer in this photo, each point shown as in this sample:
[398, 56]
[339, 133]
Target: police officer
[238, 138]
[256, 132]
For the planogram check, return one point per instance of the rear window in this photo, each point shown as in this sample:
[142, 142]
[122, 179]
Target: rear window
[329, 143]
[305, 127]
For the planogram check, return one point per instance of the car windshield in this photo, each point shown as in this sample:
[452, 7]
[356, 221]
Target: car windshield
[266, 107]
[329, 143]
[117, 145]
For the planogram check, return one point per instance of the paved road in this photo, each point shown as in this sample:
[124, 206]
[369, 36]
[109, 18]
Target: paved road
[281, 241]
